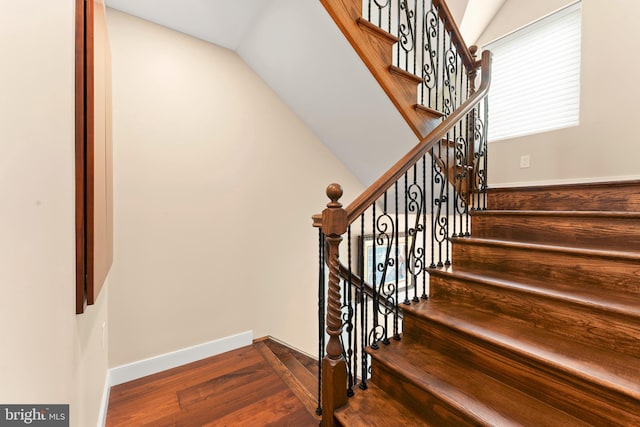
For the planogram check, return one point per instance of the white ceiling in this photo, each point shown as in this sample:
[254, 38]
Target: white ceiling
[301, 54]
[223, 22]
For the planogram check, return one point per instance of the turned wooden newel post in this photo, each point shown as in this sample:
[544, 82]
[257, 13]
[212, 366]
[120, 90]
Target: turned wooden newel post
[334, 368]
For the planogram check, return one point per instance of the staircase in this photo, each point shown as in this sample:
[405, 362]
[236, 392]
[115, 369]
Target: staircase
[536, 324]
[375, 47]
[537, 320]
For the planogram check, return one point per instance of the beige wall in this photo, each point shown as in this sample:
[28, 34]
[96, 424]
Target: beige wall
[215, 183]
[603, 146]
[49, 355]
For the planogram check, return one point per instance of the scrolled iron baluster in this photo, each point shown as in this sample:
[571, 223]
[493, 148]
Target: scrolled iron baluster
[381, 5]
[450, 65]
[430, 61]
[396, 314]
[415, 261]
[406, 31]
[347, 350]
[440, 220]
[480, 156]
[460, 181]
[385, 237]
[376, 334]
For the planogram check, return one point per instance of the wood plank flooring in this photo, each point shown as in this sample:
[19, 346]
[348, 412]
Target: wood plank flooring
[265, 384]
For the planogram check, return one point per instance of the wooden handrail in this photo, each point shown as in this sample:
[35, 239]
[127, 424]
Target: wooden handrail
[456, 35]
[377, 189]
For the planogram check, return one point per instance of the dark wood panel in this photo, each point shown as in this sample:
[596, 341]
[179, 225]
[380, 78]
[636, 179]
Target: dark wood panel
[80, 221]
[94, 161]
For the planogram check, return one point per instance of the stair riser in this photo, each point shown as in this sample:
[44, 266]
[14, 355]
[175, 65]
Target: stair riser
[617, 275]
[622, 197]
[612, 233]
[585, 400]
[414, 397]
[408, 87]
[581, 323]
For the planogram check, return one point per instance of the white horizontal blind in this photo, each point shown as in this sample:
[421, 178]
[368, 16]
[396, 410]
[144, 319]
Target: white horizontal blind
[535, 78]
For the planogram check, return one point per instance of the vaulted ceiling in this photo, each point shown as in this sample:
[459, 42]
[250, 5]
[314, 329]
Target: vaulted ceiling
[300, 53]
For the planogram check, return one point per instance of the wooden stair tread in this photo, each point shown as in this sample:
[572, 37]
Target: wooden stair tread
[615, 371]
[612, 195]
[588, 252]
[373, 28]
[374, 407]
[405, 74]
[598, 299]
[430, 112]
[579, 214]
[482, 399]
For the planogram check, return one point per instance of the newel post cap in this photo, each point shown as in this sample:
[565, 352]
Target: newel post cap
[334, 217]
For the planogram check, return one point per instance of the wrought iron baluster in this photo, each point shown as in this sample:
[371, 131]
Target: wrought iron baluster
[321, 333]
[430, 55]
[363, 314]
[348, 319]
[424, 221]
[415, 261]
[396, 332]
[373, 342]
[433, 210]
[440, 203]
[447, 207]
[406, 234]
[387, 291]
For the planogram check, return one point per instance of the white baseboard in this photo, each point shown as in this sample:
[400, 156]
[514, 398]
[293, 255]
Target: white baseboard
[152, 365]
[104, 404]
[565, 181]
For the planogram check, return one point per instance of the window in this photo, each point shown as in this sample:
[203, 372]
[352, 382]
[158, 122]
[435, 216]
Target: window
[535, 81]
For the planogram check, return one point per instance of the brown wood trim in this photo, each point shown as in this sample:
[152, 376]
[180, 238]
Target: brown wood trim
[89, 148]
[308, 400]
[377, 189]
[456, 35]
[80, 154]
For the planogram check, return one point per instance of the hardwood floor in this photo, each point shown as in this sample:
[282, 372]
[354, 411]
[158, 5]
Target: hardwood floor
[265, 384]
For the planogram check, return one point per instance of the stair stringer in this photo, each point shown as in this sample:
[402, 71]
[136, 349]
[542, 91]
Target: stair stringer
[374, 47]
